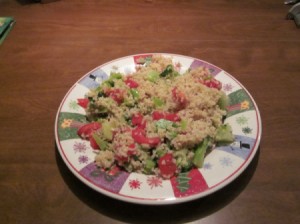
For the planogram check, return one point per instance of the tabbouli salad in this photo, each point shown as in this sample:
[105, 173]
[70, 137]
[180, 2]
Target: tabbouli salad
[156, 120]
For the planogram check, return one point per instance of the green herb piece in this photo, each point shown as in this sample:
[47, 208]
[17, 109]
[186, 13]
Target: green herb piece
[223, 101]
[100, 142]
[153, 76]
[162, 123]
[224, 135]
[149, 165]
[115, 75]
[107, 129]
[158, 102]
[200, 153]
[172, 135]
[135, 94]
[168, 70]
[183, 124]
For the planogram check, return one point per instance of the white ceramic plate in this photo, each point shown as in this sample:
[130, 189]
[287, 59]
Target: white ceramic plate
[221, 166]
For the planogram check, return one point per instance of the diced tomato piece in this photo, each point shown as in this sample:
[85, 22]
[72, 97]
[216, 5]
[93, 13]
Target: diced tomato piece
[179, 97]
[167, 165]
[87, 130]
[83, 102]
[114, 171]
[154, 141]
[131, 83]
[121, 159]
[139, 136]
[172, 117]
[116, 94]
[137, 120]
[157, 115]
[131, 146]
[131, 150]
[212, 83]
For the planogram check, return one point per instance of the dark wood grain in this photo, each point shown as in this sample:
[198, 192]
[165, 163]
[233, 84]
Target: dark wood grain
[53, 45]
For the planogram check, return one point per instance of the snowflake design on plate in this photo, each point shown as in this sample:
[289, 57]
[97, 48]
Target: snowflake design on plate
[135, 184]
[227, 87]
[242, 120]
[207, 166]
[73, 105]
[226, 161]
[83, 159]
[154, 181]
[247, 130]
[79, 147]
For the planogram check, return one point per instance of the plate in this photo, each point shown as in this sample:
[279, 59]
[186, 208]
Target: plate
[221, 166]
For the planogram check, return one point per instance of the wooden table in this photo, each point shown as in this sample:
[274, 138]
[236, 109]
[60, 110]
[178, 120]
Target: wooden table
[53, 45]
